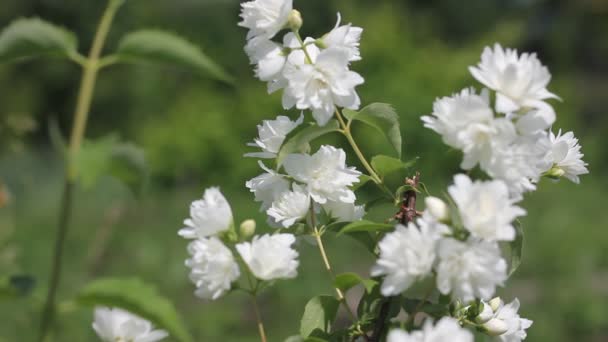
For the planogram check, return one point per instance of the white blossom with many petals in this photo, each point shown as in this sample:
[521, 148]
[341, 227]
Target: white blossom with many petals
[325, 174]
[566, 155]
[519, 80]
[114, 324]
[322, 85]
[271, 135]
[212, 267]
[208, 216]
[270, 257]
[346, 37]
[265, 18]
[515, 324]
[407, 255]
[267, 187]
[446, 329]
[268, 57]
[485, 208]
[290, 206]
[470, 269]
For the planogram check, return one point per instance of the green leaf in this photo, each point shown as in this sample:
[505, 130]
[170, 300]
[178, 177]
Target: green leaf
[139, 298]
[108, 156]
[165, 48]
[385, 165]
[516, 247]
[16, 286]
[363, 179]
[319, 313]
[412, 306]
[346, 281]
[33, 37]
[366, 226]
[382, 117]
[299, 142]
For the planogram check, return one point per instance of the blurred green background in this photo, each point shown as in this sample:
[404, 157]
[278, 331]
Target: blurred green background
[194, 132]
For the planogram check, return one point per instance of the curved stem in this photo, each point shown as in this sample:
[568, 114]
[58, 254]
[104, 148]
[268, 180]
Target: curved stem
[258, 318]
[83, 106]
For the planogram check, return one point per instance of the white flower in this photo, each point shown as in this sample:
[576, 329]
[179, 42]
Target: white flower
[437, 208]
[209, 216]
[466, 122]
[268, 57]
[113, 324]
[271, 134]
[566, 155]
[470, 269]
[290, 206]
[535, 121]
[516, 325]
[406, 256]
[344, 212]
[270, 256]
[213, 268]
[322, 85]
[267, 187]
[446, 329]
[485, 208]
[520, 81]
[264, 18]
[325, 174]
[346, 37]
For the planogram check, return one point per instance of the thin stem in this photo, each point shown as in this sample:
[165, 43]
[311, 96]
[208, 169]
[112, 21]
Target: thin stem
[83, 106]
[258, 317]
[299, 38]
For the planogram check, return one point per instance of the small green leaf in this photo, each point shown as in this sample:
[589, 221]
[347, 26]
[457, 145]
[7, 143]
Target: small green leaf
[346, 281]
[319, 313]
[363, 179]
[299, 142]
[108, 156]
[516, 247]
[160, 47]
[366, 226]
[34, 37]
[137, 297]
[16, 286]
[385, 165]
[382, 117]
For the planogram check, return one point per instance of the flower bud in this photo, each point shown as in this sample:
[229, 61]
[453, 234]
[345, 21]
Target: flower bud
[247, 228]
[495, 303]
[437, 208]
[555, 173]
[486, 314]
[294, 20]
[495, 327]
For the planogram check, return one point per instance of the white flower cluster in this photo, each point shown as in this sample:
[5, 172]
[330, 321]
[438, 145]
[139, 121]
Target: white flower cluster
[511, 140]
[113, 324]
[464, 253]
[502, 320]
[446, 329]
[212, 263]
[314, 73]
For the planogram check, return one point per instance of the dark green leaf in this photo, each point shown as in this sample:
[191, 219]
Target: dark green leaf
[412, 306]
[516, 247]
[385, 165]
[382, 117]
[363, 179]
[139, 298]
[299, 142]
[319, 313]
[16, 286]
[160, 47]
[345, 281]
[366, 226]
[34, 37]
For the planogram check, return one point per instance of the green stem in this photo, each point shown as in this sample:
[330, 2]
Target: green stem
[83, 106]
[258, 317]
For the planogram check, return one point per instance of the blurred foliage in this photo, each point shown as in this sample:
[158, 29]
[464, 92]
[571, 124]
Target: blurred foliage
[194, 131]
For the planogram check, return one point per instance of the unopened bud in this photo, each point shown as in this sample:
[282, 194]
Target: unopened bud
[555, 173]
[437, 208]
[495, 327]
[294, 20]
[247, 228]
[486, 314]
[495, 303]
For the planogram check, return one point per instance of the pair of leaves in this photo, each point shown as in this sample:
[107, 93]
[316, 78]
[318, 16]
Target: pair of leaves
[138, 298]
[33, 37]
[109, 156]
[383, 118]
